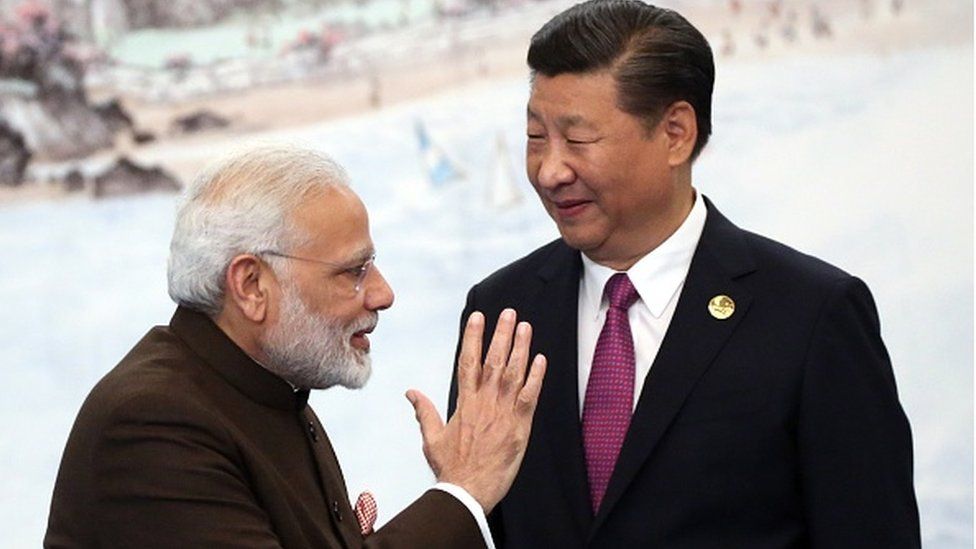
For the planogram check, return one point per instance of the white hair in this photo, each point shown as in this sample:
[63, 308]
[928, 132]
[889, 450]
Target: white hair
[241, 204]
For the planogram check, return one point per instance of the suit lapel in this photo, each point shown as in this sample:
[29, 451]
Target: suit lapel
[693, 340]
[553, 315]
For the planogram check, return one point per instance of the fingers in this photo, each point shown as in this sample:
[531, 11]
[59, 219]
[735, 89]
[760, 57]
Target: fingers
[514, 374]
[469, 360]
[430, 421]
[501, 343]
[528, 397]
[503, 371]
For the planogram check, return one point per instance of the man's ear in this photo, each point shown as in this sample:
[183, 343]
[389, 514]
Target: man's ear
[248, 282]
[681, 128]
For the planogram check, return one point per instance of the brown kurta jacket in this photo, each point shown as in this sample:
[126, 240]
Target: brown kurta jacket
[190, 443]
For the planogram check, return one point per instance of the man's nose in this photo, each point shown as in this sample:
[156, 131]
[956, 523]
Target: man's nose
[554, 169]
[378, 293]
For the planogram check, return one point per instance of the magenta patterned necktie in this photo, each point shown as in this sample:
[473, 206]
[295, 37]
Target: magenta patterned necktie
[610, 390]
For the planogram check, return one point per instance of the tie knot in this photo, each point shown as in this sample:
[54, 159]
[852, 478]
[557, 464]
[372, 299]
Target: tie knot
[620, 291]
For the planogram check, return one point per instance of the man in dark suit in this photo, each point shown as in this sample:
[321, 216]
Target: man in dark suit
[202, 436]
[708, 387]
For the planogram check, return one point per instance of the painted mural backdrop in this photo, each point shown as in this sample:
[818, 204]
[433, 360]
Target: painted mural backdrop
[844, 128]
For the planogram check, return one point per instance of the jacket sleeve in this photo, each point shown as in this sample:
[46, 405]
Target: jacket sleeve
[436, 519]
[854, 440]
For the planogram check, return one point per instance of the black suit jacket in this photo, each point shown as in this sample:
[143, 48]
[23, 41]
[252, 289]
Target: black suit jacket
[777, 427]
[190, 443]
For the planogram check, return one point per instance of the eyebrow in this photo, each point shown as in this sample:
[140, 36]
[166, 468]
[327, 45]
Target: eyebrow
[564, 122]
[361, 255]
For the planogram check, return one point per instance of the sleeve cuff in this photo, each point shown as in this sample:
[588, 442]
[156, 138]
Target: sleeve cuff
[473, 506]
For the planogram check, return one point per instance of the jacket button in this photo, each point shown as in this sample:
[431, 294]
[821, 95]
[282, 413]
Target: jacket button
[312, 432]
[336, 511]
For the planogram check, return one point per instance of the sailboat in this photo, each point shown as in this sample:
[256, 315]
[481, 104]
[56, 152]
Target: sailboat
[503, 187]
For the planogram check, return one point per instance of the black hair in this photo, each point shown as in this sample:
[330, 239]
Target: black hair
[655, 55]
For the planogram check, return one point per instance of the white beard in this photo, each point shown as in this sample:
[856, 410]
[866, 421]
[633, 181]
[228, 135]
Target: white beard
[315, 352]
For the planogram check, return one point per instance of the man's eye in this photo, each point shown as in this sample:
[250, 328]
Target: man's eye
[580, 141]
[535, 136]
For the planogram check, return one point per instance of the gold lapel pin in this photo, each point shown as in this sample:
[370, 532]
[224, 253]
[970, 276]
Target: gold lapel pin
[721, 307]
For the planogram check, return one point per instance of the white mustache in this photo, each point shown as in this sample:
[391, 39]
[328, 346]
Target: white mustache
[365, 324]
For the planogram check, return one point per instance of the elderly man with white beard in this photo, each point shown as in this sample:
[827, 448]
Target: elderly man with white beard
[202, 437]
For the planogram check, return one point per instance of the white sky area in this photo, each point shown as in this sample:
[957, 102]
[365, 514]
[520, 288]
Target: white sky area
[865, 161]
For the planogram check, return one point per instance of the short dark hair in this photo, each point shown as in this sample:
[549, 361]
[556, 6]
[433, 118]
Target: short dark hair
[655, 56]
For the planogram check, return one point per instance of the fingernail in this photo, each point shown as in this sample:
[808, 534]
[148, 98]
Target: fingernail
[523, 327]
[508, 314]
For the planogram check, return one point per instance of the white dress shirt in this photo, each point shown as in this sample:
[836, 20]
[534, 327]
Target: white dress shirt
[658, 277]
[473, 506]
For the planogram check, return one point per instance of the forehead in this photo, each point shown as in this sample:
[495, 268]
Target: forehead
[573, 98]
[334, 221]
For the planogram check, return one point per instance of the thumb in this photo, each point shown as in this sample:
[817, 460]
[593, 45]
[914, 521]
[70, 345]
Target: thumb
[427, 416]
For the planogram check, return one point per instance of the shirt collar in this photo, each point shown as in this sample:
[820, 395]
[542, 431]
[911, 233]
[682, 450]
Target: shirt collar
[658, 275]
[212, 345]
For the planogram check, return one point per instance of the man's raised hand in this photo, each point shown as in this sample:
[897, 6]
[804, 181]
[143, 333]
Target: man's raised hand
[480, 448]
